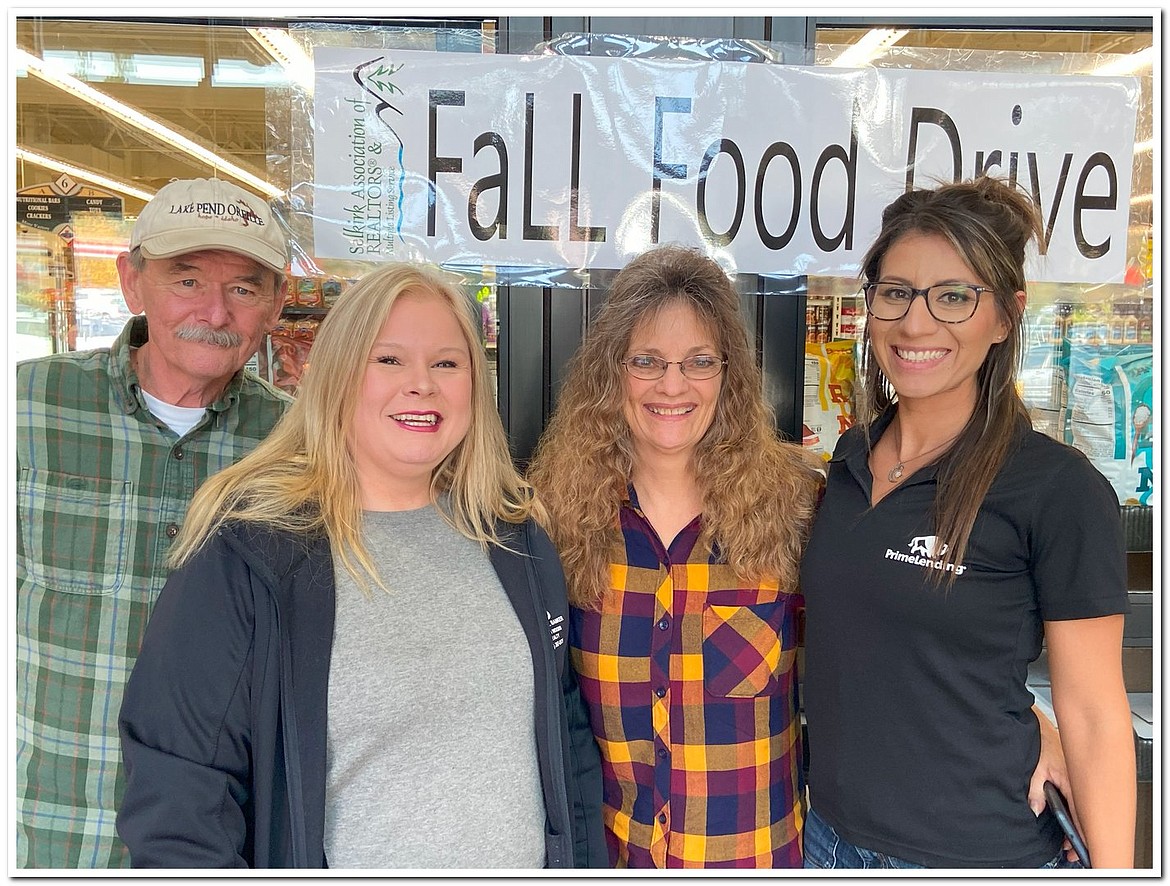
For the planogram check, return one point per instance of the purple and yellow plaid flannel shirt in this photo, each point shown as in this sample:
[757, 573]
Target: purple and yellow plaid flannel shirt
[690, 678]
[101, 488]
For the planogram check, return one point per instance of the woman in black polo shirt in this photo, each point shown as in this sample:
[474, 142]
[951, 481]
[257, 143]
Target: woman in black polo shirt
[952, 540]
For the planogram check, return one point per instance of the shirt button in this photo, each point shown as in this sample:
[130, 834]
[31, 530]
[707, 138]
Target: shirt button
[178, 453]
[172, 530]
[660, 692]
[663, 624]
[662, 753]
[662, 818]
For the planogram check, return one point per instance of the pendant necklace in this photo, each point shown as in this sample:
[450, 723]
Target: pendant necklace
[895, 473]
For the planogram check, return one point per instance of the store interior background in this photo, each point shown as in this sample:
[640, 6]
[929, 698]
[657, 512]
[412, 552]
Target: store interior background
[125, 105]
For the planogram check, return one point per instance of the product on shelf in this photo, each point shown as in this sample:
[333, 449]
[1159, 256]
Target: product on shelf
[850, 320]
[1110, 407]
[829, 378]
[818, 323]
[331, 289]
[288, 352]
[308, 292]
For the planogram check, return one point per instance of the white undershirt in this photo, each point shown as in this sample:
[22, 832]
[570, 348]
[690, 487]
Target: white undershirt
[179, 419]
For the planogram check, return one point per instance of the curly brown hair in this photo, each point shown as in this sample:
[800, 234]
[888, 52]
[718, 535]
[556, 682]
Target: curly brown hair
[758, 492]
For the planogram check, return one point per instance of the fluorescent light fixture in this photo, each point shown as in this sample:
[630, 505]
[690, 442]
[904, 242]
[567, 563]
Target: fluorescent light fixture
[1127, 64]
[90, 66]
[87, 249]
[233, 72]
[139, 120]
[165, 70]
[1143, 147]
[1141, 198]
[279, 44]
[870, 46]
[80, 174]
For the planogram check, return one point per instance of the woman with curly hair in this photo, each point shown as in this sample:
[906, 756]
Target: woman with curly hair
[680, 518]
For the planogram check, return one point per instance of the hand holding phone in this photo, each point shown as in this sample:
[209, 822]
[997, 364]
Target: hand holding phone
[1059, 807]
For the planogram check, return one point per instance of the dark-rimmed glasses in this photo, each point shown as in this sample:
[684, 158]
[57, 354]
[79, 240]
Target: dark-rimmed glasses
[946, 302]
[697, 368]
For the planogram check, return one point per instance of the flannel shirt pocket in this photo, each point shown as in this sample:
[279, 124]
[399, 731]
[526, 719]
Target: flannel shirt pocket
[74, 531]
[742, 649]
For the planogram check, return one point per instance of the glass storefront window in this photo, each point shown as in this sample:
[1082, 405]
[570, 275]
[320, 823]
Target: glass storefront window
[1088, 363]
[108, 111]
[123, 107]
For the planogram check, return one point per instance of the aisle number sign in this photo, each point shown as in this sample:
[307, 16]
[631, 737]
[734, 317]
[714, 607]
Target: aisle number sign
[569, 162]
[52, 206]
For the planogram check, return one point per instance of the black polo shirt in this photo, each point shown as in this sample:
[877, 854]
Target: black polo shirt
[921, 737]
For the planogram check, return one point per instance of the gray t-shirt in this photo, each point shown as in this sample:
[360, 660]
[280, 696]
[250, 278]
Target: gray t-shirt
[431, 759]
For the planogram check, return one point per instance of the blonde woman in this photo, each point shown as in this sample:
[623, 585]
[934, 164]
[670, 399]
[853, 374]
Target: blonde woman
[680, 519]
[357, 662]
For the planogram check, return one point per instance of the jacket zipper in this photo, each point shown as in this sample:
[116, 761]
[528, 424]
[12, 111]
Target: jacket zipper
[292, 747]
[552, 707]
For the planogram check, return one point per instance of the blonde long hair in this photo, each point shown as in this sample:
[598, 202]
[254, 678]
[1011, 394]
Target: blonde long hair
[302, 477]
[758, 493]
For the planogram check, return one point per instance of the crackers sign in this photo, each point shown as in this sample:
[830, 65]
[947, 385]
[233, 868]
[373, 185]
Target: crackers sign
[567, 162]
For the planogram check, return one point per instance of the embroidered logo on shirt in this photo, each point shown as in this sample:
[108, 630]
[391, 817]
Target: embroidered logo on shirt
[926, 551]
[556, 628]
[926, 545]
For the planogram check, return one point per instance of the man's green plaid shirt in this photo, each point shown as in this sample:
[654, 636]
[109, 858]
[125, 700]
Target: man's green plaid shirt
[102, 487]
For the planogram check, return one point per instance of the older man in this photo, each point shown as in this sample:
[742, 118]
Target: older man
[111, 445]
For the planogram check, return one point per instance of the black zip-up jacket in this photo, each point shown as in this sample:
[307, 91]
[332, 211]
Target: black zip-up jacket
[223, 721]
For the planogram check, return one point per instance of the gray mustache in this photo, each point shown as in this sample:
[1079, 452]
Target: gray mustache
[221, 338]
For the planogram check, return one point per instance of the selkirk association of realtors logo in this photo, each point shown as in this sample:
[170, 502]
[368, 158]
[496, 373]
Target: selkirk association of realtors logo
[376, 79]
[926, 551]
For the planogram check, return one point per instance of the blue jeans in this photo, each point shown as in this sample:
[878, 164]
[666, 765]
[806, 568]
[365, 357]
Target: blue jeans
[825, 848]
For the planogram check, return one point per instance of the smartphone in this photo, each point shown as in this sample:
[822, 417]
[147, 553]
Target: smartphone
[1059, 807]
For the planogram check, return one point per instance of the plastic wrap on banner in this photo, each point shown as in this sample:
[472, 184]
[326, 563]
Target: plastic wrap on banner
[542, 169]
[715, 49]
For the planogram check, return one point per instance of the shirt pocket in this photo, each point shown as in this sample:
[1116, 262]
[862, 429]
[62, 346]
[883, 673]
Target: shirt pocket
[743, 653]
[75, 530]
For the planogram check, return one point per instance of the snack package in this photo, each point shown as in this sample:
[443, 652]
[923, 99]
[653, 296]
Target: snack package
[829, 378]
[308, 292]
[1111, 411]
[1043, 386]
[288, 346]
[331, 289]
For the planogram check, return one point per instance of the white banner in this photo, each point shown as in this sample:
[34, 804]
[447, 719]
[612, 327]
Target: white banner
[570, 162]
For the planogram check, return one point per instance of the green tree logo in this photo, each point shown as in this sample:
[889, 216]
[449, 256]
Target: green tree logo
[379, 78]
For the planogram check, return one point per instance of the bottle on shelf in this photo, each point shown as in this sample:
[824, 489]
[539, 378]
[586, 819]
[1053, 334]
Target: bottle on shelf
[1130, 323]
[1146, 321]
[1117, 324]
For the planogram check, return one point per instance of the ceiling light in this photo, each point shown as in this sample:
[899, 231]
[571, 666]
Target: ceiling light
[871, 45]
[1127, 64]
[81, 174]
[141, 121]
[164, 70]
[279, 44]
[235, 72]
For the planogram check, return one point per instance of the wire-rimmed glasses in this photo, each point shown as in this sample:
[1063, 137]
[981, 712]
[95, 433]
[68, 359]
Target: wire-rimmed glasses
[648, 367]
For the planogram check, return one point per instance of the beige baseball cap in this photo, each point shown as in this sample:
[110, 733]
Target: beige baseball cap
[209, 213]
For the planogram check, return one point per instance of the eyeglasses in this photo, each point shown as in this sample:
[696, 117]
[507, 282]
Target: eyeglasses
[947, 302]
[648, 367]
